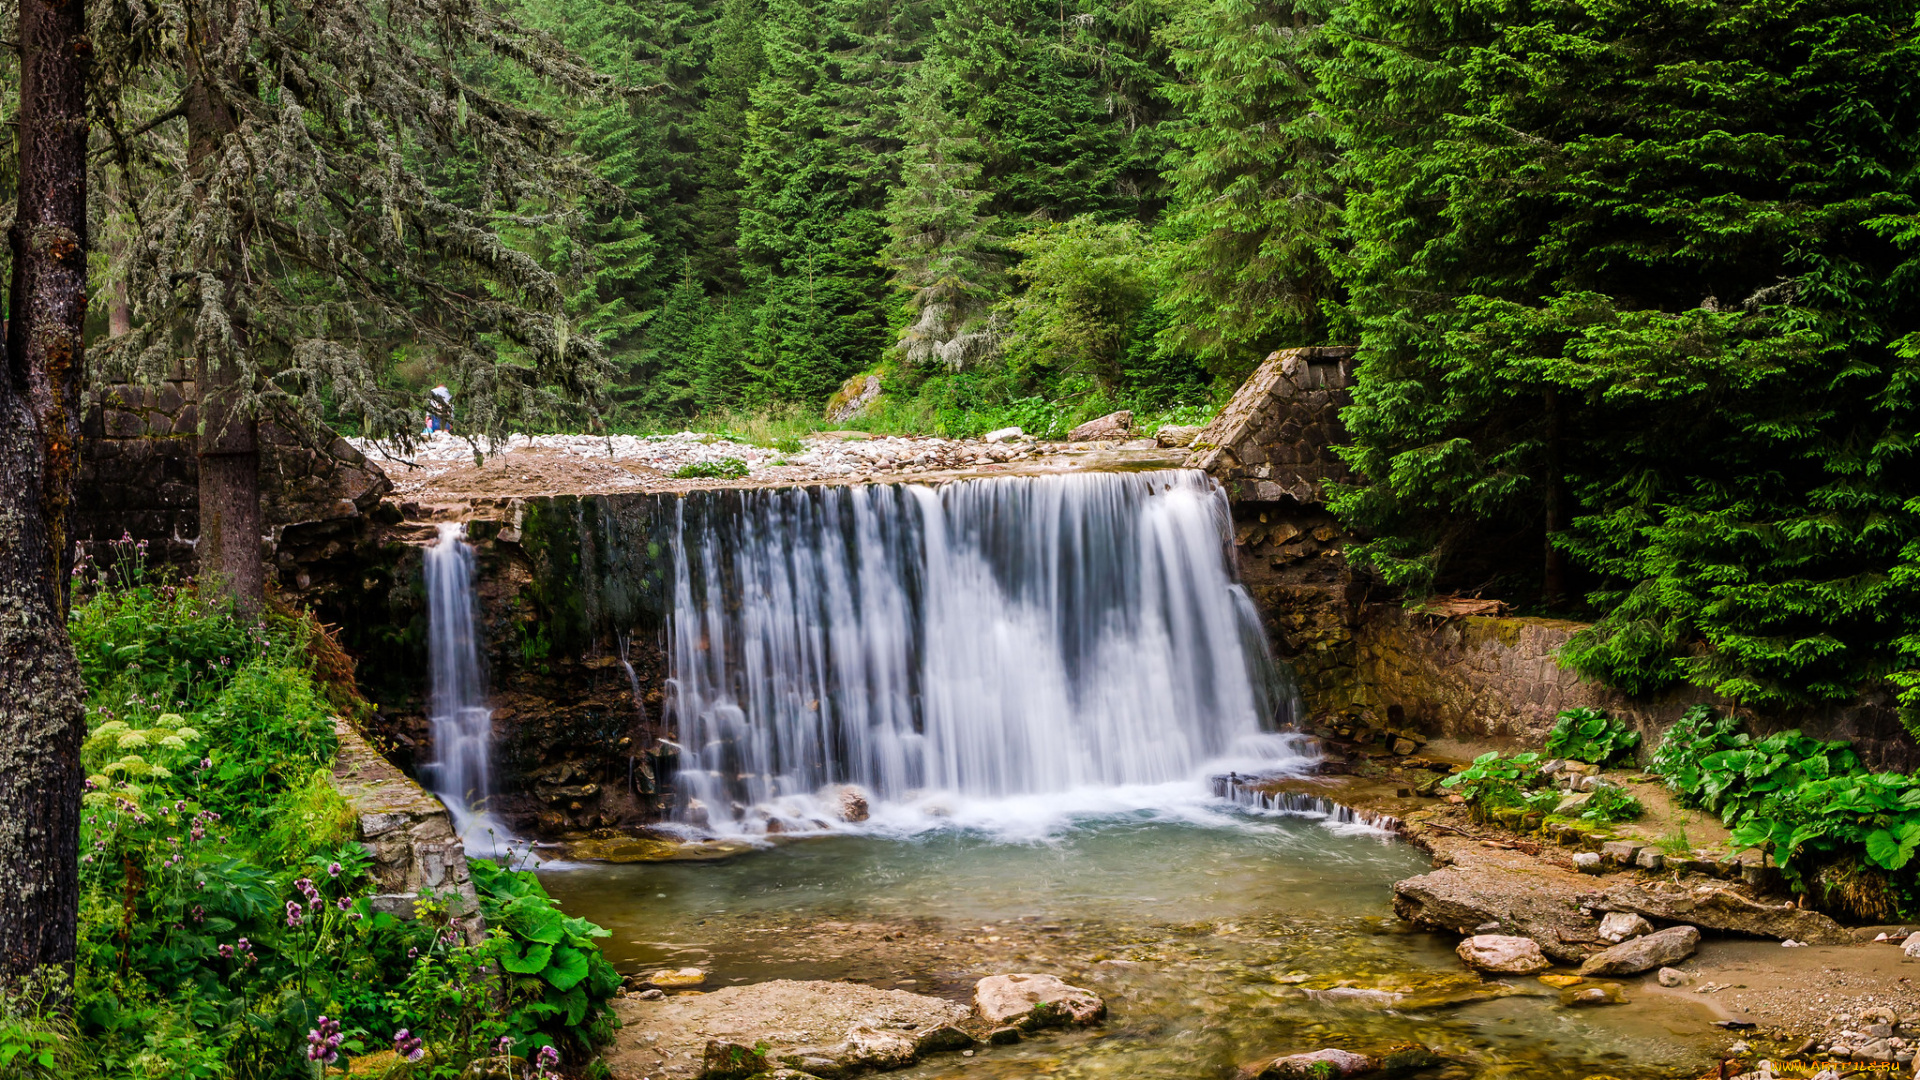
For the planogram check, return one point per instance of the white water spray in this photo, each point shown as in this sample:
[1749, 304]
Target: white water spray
[460, 720]
[992, 639]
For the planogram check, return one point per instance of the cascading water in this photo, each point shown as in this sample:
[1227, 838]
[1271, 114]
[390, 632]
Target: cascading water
[990, 639]
[460, 720]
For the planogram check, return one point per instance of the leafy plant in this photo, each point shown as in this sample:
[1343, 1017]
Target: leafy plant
[1611, 803]
[1697, 735]
[558, 976]
[1590, 735]
[723, 469]
[1496, 780]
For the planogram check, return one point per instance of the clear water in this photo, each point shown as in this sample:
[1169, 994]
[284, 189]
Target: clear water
[1213, 933]
[997, 638]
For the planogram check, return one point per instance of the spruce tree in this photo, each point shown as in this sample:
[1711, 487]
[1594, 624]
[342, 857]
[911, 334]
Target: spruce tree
[1257, 182]
[302, 214]
[1639, 293]
[941, 252]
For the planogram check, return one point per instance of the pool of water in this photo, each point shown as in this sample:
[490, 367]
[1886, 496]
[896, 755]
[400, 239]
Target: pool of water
[1217, 938]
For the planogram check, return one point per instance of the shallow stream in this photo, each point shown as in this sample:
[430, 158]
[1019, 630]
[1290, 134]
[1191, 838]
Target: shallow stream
[1217, 936]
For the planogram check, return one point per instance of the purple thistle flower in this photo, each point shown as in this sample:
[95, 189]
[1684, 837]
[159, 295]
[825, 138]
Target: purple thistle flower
[323, 1042]
[408, 1045]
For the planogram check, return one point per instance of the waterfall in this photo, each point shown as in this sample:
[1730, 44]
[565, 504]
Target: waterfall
[993, 638]
[460, 720]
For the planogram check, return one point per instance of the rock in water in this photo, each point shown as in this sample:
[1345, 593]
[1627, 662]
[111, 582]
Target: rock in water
[872, 1048]
[1035, 1001]
[1001, 435]
[1911, 946]
[1640, 954]
[1618, 926]
[673, 980]
[1597, 994]
[1502, 954]
[851, 803]
[1115, 425]
[1673, 977]
[1318, 1065]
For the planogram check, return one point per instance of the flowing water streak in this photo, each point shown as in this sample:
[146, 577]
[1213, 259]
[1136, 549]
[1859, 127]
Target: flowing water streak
[992, 638]
[457, 711]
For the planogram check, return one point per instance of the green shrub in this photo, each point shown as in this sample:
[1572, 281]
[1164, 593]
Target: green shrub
[1611, 803]
[1591, 735]
[559, 979]
[724, 469]
[223, 907]
[1494, 780]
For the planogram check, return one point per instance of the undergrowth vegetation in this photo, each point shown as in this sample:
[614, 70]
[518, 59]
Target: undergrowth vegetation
[1842, 835]
[1839, 832]
[228, 927]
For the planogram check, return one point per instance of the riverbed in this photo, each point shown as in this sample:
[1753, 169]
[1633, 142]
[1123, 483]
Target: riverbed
[1217, 936]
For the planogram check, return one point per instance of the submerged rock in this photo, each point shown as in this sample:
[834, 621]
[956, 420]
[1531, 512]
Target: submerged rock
[1593, 994]
[1318, 1065]
[1503, 954]
[1031, 1002]
[1640, 954]
[1673, 977]
[673, 980]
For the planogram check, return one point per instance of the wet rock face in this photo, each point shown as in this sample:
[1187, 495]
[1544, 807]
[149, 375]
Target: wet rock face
[1032, 1002]
[1669, 946]
[1503, 954]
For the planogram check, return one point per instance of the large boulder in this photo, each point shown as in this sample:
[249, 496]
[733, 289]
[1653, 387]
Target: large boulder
[1669, 946]
[819, 1028]
[1031, 1002]
[1114, 425]
[1503, 954]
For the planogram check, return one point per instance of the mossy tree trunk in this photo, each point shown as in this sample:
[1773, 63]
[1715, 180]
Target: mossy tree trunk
[228, 549]
[41, 714]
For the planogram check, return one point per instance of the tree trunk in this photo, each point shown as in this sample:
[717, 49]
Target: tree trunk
[1553, 581]
[229, 546]
[42, 718]
[228, 549]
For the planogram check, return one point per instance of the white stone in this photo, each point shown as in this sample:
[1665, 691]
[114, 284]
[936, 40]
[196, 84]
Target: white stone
[1587, 862]
[1504, 954]
[1911, 946]
[1618, 926]
[1640, 954]
[1035, 1001]
[1003, 434]
[1673, 977]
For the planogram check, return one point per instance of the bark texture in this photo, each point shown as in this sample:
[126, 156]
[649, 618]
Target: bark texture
[41, 715]
[230, 521]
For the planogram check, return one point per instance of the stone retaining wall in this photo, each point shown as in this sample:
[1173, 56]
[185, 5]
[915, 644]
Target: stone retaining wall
[1495, 680]
[411, 837]
[139, 476]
